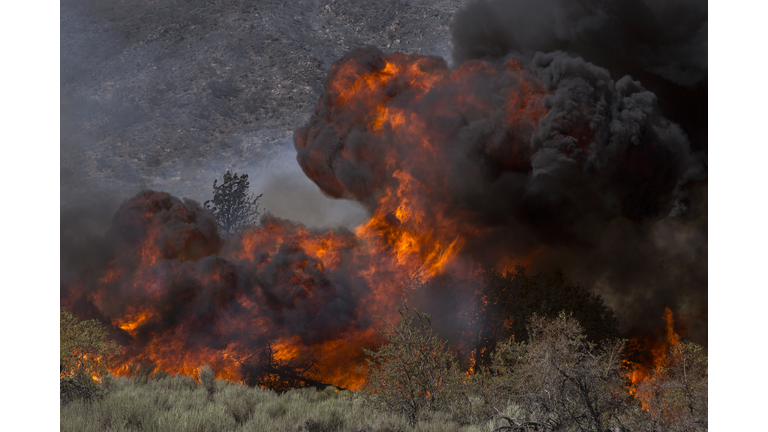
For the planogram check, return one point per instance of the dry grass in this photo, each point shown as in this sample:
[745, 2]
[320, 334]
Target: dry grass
[179, 404]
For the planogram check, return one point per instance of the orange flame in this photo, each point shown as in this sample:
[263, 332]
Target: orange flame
[643, 376]
[409, 237]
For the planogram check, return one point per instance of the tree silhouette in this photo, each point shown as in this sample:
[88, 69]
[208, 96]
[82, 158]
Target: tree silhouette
[231, 204]
[508, 300]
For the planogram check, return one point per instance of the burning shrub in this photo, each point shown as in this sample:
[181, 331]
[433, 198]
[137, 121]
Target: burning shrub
[84, 351]
[84, 356]
[141, 372]
[413, 372]
[673, 396]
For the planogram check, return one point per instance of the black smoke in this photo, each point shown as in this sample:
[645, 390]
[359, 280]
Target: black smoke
[662, 44]
[604, 180]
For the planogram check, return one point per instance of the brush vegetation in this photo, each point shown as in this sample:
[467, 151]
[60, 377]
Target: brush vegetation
[556, 380]
[178, 403]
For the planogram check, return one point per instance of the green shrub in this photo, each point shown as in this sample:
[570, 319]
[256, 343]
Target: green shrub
[81, 416]
[209, 418]
[330, 423]
[130, 409]
[73, 388]
[277, 409]
[178, 383]
[85, 353]
[239, 401]
[170, 405]
[207, 380]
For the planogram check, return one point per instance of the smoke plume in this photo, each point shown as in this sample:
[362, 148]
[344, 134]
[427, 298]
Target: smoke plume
[177, 295]
[566, 136]
[502, 159]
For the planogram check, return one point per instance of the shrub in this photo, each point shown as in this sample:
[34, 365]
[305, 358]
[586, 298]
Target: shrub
[168, 405]
[71, 389]
[178, 383]
[413, 372]
[332, 423]
[84, 355]
[231, 205]
[239, 401]
[674, 396]
[84, 348]
[141, 372]
[208, 380]
[508, 300]
[562, 380]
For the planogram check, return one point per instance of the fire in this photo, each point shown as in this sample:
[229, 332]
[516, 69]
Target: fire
[131, 321]
[389, 131]
[183, 299]
[286, 350]
[408, 105]
[644, 376]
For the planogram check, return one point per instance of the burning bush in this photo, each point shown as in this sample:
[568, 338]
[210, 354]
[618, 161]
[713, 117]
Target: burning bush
[556, 380]
[84, 356]
[85, 352]
[670, 389]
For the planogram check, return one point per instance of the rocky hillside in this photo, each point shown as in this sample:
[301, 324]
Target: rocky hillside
[168, 93]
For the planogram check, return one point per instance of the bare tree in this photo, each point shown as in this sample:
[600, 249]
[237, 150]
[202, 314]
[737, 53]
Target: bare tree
[414, 372]
[233, 207]
[560, 379]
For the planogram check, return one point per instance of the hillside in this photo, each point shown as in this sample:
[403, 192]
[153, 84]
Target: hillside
[168, 94]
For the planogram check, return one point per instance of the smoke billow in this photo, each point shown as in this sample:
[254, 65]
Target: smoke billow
[568, 135]
[176, 294]
[585, 149]
[507, 156]
[663, 44]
